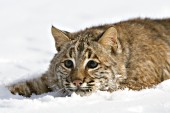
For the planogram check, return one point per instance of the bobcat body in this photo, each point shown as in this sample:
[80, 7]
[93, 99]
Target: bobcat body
[132, 54]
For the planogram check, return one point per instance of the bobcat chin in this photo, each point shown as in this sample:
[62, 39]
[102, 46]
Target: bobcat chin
[132, 54]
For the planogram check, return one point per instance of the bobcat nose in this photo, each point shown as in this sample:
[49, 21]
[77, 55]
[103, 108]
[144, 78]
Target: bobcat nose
[77, 82]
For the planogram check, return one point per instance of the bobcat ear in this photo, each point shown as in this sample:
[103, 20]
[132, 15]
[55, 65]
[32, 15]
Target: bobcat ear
[59, 37]
[109, 40]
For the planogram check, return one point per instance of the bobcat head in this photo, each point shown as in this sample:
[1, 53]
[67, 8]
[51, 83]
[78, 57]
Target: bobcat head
[86, 62]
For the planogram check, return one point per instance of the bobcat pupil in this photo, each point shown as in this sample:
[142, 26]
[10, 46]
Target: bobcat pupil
[68, 63]
[92, 64]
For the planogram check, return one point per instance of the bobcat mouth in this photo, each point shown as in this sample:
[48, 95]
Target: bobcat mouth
[80, 90]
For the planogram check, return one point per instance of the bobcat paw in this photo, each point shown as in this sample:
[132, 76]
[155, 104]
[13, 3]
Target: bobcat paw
[20, 89]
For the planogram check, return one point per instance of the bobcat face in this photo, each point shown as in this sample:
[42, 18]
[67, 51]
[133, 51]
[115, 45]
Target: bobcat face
[84, 66]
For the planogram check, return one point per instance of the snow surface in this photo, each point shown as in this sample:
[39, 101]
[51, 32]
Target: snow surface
[27, 46]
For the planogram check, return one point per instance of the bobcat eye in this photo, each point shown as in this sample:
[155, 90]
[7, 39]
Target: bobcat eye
[68, 64]
[92, 64]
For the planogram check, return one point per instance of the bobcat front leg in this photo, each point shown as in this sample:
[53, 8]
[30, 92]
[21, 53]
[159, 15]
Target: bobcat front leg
[27, 88]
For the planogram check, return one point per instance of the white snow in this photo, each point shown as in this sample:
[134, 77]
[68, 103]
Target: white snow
[27, 46]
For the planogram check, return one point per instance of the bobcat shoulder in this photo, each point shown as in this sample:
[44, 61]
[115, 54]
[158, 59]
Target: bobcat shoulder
[134, 54]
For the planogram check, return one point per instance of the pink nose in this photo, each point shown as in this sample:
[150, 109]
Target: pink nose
[77, 82]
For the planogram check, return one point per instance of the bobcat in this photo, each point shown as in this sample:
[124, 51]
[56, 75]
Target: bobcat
[132, 54]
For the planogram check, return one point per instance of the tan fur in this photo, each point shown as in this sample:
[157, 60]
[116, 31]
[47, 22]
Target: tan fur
[133, 54]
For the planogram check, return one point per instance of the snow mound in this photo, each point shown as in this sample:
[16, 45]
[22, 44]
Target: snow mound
[154, 100]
